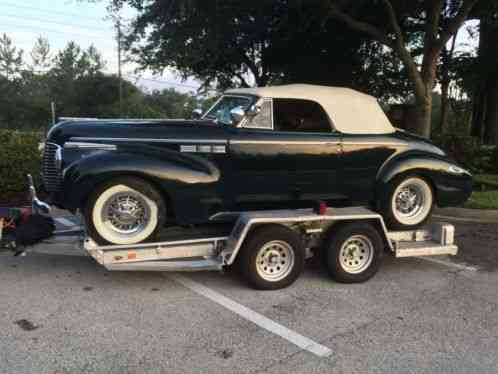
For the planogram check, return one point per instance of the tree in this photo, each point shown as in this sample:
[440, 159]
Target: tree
[485, 77]
[40, 55]
[73, 62]
[244, 43]
[425, 17]
[11, 60]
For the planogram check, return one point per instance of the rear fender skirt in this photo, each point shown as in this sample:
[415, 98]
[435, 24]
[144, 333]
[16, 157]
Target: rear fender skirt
[452, 185]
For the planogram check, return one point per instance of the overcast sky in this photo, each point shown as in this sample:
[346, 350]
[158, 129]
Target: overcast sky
[61, 21]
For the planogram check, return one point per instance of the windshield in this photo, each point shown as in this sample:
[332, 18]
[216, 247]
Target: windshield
[221, 110]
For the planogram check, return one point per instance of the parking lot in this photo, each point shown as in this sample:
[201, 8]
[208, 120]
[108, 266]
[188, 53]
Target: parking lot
[62, 314]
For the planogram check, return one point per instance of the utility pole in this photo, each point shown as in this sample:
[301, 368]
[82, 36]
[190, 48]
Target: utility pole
[118, 25]
[52, 108]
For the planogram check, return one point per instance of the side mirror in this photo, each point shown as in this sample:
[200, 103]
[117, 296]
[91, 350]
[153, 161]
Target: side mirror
[253, 111]
[197, 113]
[237, 114]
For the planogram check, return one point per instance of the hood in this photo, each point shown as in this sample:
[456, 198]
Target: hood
[134, 129]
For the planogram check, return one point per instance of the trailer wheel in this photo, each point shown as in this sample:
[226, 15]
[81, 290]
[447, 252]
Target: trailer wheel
[353, 253]
[272, 257]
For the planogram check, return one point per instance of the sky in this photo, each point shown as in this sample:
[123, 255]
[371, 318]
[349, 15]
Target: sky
[86, 23]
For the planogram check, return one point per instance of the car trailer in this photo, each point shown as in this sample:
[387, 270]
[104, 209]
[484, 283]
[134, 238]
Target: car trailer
[269, 247]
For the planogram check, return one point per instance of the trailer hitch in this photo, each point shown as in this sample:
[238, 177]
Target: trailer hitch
[20, 227]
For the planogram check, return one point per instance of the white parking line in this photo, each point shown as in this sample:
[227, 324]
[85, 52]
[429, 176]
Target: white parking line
[449, 264]
[65, 222]
[254, 317]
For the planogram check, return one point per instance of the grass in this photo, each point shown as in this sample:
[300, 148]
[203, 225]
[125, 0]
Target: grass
[486, 194]
[483, 200]
[486, 181]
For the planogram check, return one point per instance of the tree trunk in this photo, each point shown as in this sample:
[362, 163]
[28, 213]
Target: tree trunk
[447, 56]
[491, 118]
[445, 105]
[478, 110]
[422, 116]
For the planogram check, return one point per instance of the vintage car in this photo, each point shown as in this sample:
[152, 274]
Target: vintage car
[257, 148]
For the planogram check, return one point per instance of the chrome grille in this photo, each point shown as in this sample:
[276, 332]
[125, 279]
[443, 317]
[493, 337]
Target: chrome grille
[51, 174]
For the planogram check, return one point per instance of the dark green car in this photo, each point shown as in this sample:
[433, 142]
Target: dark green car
[261, 148]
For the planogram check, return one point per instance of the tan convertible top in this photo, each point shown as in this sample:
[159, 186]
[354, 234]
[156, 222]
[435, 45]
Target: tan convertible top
[351, 112]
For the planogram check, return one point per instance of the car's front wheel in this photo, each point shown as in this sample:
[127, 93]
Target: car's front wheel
[408, 203]
[125, 211]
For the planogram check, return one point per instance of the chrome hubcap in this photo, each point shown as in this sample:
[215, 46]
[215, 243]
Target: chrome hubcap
[356, 254]
[126, 213]
[409, 201]
[275, 260]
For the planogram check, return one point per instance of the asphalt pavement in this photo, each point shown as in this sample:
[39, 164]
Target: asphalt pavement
[61, 314]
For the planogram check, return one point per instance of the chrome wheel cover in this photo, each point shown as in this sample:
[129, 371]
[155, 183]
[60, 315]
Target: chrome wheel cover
[126, 213]
[123, 215]
[356, 254]
[275, 260]
[412, 201]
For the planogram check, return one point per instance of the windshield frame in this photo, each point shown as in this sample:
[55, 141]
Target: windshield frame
[252, 100]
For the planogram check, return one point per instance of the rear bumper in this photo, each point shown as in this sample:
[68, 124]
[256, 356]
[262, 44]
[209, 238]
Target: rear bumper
[453, 190]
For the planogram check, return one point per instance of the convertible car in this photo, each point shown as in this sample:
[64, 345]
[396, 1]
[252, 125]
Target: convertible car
[257, 148]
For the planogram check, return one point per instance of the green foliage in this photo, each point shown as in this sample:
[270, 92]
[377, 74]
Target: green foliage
[74, 80]
[469, 152]
[20, 155]
[10, 57]
[486, 181]
[483, 200]
[239, 43]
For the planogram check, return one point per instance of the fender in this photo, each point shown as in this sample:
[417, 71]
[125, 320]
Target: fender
[166, 167]
[452, 184]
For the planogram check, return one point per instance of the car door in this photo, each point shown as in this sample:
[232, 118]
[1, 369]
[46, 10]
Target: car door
[279, 165]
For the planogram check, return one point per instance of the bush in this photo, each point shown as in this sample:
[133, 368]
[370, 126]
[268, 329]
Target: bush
[467, 151]
[20, 155]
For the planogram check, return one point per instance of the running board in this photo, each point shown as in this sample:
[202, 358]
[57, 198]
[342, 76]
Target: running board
[187, 265]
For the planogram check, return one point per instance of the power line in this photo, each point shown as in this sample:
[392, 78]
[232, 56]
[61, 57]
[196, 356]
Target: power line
[37, 31]
[49, 11]
[53, 22]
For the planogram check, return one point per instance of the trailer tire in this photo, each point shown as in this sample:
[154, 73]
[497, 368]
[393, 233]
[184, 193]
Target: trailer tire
[271, 258]
[353, 252]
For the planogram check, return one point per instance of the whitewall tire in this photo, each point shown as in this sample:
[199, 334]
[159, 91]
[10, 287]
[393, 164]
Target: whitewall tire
[125, 211]
[409, 204]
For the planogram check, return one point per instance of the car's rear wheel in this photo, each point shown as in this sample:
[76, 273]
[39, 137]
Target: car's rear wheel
[125, 210]
[409, 202]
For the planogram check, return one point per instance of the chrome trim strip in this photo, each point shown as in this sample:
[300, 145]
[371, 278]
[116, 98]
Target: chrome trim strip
[96, 146]
[203, 148]
[285, 142]
[375, 143]
[149, 140]
[125, 120]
